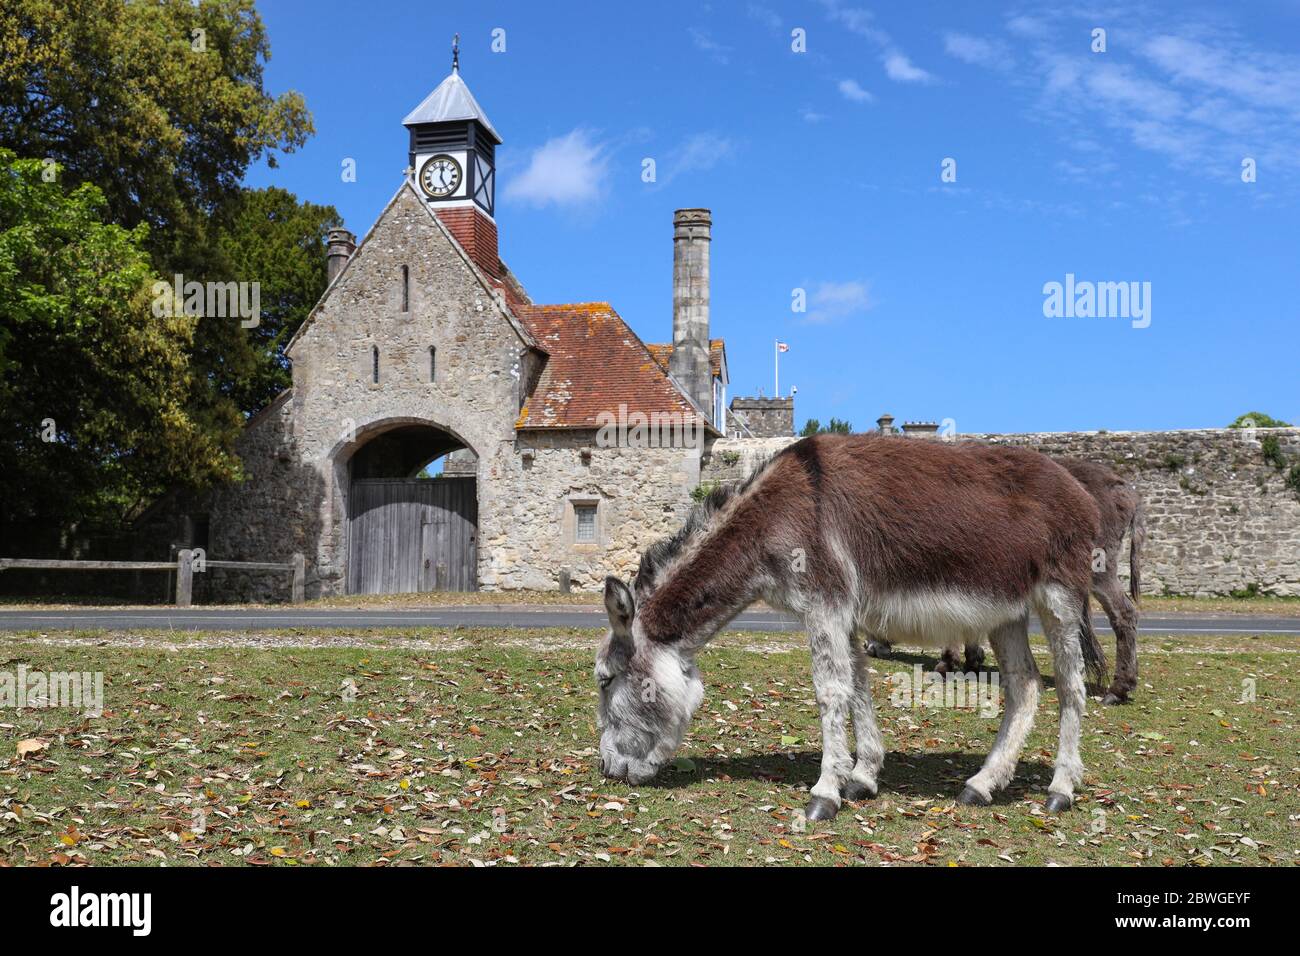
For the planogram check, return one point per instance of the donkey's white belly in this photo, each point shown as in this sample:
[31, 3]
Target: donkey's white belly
[936, 617]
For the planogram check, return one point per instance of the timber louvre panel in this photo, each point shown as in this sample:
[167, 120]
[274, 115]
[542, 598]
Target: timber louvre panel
[408, 535]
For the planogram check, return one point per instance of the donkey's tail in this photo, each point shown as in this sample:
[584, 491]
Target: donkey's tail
[1137, 527]
[1094, 656]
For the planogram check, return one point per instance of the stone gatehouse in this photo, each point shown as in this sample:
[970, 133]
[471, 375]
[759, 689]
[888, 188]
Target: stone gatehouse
[570, 443]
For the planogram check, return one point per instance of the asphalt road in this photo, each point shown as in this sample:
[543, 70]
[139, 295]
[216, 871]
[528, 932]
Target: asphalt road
[265, 619]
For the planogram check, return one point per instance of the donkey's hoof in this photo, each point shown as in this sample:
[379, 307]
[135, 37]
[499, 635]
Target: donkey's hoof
[970, 797]
[876, 649]
[1115, 697]
[819, 808]
[1058, 803]
[857, 790]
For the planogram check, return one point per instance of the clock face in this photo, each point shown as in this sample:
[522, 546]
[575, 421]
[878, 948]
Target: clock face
[440, 176]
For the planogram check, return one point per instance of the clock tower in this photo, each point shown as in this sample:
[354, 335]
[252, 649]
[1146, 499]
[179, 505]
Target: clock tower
[452, 161]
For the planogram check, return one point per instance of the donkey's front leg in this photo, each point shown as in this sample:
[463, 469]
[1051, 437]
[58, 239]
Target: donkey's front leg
[830, 640]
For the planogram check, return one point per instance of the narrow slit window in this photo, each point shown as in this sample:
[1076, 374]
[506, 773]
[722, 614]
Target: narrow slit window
[406, 289]
[433, 364]
[374, 362]
[585, 525]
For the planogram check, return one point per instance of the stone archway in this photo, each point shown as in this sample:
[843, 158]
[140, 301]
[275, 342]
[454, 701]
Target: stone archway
[405, 533]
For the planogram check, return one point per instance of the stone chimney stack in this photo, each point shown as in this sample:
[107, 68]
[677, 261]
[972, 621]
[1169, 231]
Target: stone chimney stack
[339, 246]
[689, 362]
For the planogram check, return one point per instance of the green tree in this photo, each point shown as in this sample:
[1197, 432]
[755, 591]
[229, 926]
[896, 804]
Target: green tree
[158, 103]
[1258, 420]
[836, 427]
[161, 105]
[272, 238]
[93, 385]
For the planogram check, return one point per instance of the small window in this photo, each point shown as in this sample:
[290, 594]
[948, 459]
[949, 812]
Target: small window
[585, 523]
[406, 289]
[374, 359]
[433, 364]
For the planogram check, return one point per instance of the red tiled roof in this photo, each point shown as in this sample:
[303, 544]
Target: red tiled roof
[596, 363]
[662, 351]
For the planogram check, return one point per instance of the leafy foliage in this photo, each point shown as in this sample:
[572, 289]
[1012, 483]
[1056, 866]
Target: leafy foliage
[1258, 420]
[145, 115]
[84, 361]
[119, 96]
[836, 427]
[272, 238]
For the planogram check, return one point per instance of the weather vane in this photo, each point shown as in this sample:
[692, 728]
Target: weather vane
[455, 53]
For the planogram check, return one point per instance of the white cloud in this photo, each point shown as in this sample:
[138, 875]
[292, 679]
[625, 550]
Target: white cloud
[764, 15]
[1200, 94]
[852, 91]
[1024, 26]
[703, 41]
[831, 301]
[697, 153]
[976, 50]
[811, 116]
[899, 68]
[570, 170]
[863, 23]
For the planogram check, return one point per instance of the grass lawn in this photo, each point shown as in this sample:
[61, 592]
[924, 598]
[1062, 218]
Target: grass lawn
[478, 747]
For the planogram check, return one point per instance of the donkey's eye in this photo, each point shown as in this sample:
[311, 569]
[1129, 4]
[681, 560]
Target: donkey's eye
[605, 682]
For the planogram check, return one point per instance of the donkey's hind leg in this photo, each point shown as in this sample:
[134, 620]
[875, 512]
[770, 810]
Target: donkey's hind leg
[862, 782]
[1123, 621]
[1061, 614]
[830, 639]
[1019, 675]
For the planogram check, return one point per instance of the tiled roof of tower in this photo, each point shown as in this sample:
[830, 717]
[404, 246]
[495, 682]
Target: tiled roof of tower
[595, 364]
[662, 351]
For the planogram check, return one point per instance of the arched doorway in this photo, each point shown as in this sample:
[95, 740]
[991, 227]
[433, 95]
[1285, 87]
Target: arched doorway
[412, 527]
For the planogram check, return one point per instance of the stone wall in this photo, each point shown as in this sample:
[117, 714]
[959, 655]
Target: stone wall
[640, 494]
[1220, 517]
[761, 417]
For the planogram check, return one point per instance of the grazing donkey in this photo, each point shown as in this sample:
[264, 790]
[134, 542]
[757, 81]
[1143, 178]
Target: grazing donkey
[912, 540]
[1121, 514]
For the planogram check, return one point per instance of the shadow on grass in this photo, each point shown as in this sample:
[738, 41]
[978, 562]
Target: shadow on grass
[938, 775]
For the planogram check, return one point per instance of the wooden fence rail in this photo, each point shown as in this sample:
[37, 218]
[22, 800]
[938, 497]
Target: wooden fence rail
[184, 566]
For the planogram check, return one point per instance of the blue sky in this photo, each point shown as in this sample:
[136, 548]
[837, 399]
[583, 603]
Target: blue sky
[823, 171]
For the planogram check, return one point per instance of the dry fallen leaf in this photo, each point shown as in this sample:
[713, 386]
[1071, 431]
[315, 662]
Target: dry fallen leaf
[33, 745]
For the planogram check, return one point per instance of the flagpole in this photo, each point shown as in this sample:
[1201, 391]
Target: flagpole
[776, 366]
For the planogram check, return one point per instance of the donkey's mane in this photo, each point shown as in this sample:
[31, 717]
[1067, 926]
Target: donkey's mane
[662, 552]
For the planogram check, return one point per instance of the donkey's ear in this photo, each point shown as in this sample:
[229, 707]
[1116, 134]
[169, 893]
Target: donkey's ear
[621, 606]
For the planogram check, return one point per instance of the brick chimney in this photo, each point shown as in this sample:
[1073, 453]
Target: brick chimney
[339, 246]
[689, 362]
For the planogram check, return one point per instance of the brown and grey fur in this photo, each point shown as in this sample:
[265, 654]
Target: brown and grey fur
[1120, 510]
[911, 540]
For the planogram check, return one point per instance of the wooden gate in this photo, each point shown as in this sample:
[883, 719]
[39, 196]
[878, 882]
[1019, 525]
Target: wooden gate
[409, 535]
